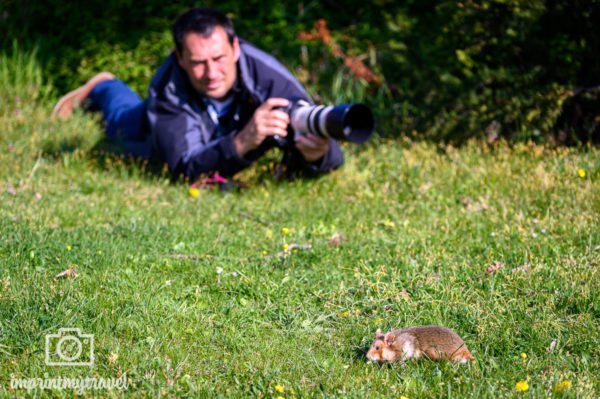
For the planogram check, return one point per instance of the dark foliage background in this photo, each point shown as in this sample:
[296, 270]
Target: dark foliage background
[441, 70]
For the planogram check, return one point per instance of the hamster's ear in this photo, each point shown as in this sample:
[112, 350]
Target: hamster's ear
[378, 334]
[389, 338]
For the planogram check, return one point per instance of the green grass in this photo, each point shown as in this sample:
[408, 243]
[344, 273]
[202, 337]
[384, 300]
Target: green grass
[421, 225]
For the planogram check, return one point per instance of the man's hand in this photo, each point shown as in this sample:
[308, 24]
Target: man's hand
[266, 121]
[312, 147]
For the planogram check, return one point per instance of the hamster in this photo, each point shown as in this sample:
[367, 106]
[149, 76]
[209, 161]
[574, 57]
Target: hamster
[433, 342]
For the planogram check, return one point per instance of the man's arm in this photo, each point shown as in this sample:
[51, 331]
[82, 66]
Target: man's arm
[266, 121]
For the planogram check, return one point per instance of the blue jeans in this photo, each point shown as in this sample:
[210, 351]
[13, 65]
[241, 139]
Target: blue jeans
[124, 113]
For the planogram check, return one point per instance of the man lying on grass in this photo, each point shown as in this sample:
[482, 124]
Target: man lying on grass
[212, 105]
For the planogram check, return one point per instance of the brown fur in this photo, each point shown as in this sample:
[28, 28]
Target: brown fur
[434, 342]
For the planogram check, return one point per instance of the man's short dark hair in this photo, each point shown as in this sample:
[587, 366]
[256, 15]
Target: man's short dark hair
[201, 20]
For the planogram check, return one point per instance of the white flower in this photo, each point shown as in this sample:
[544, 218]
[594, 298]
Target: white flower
[113, 357]
[219, 270]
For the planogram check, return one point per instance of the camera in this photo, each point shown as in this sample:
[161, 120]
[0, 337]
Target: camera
[69, 347]
[344, 122]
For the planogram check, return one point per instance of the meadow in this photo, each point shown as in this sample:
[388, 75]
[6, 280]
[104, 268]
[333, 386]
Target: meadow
[277, 290]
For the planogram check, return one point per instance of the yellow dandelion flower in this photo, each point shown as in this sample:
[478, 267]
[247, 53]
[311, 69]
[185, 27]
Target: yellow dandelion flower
[269, 234]
[523, 355]
[581, 172]
[403, 397]
[279, 388]
[563, 386]
[264, 253]
[285, 230]
[194, 192]
[69, 247]
[285, 247]
[280, 397]
[522, 386]
[389, 224]
[343, 314]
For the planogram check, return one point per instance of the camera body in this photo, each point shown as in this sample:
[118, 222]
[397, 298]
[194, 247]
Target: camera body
[344, 122]
[69, 347]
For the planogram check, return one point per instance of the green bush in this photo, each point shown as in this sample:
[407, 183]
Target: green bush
[446, 70]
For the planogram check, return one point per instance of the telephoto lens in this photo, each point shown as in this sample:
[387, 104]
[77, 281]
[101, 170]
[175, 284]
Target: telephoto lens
[345, 122]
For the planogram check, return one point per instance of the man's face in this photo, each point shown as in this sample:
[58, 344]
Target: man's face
[210, 62]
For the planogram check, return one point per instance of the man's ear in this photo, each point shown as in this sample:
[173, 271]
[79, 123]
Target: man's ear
[236, 49]
[389, 338]
[179, 58]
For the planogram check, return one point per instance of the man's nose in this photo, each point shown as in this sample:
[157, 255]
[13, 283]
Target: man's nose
[211, 69]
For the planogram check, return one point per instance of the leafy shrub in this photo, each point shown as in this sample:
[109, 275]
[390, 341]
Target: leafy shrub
[441, 70]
